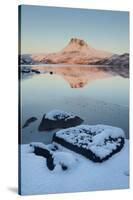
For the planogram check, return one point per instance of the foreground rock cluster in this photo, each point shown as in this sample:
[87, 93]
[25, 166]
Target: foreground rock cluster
[95, 142]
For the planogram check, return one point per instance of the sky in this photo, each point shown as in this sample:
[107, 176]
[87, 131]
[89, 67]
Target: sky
[49, 29]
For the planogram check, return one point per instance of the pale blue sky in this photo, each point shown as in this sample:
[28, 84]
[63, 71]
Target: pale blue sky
[49, 29]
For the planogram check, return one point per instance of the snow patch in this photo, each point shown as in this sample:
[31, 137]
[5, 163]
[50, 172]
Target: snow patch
[58, 115]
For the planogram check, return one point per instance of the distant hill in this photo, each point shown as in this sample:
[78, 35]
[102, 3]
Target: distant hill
[115, 60]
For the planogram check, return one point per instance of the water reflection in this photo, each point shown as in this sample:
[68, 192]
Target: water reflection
[79, 76]
[101, 95]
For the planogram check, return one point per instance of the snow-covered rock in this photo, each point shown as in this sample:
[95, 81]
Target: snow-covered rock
[64, 161]
[39, 145]
[58, 114]
[58, 119]
[55, 159]
[43, 150]
[97, 143]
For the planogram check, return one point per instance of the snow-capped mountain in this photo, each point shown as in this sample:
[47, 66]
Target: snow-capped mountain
[76, 52]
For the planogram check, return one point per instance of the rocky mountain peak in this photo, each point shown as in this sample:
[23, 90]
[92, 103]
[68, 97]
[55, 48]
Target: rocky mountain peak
[77, 41]
[75, 44]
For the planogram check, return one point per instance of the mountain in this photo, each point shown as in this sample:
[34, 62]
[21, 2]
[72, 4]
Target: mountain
[77, 51]
[115, 60]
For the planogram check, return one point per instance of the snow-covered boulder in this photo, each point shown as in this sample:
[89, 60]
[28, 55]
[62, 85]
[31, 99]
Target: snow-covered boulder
[98, 143]
[50, 148]
[41, 149]
[58, 119]
[55, 159]
[64, 161]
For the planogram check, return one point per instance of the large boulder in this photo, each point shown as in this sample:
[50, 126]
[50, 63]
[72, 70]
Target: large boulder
[98, 143]
[58, 119]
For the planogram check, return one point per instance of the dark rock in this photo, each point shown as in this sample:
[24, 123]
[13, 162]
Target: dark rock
[35, 71]
[30, 120]
[46, 153]
[26, 71]
[50, 163]
[64, 167]
[47, 124]
[83, 145]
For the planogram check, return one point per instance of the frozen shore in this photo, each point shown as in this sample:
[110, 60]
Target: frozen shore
[85, 175]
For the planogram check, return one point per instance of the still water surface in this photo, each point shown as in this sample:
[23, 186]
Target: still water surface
[97, 95]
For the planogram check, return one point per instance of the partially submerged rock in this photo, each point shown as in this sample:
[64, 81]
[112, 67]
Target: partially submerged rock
[98, 143]
[58, 119]
[28, 121]
[29, 70]
[35, 71]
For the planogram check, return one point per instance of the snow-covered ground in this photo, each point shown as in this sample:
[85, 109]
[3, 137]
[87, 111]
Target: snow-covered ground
[81, 175]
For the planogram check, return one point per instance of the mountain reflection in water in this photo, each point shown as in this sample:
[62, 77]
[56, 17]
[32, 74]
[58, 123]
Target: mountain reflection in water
[79, 76]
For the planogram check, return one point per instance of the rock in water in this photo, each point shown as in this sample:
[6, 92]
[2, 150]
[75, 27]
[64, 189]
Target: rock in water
[98, 143]
[35, 71]
[28, 121]
[58, 119]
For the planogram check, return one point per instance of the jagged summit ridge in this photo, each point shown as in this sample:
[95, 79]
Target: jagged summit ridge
[78, 42]
[76, 45]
